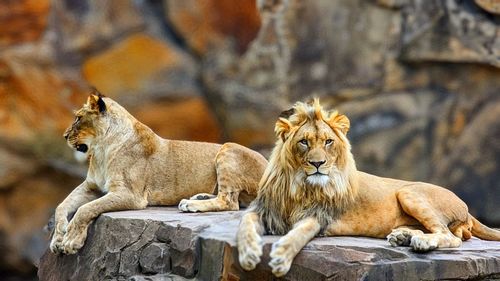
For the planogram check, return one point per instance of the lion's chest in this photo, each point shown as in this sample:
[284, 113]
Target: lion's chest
[279, 221]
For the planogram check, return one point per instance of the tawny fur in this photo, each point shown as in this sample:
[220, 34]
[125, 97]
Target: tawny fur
[130, 167]
[311, 187]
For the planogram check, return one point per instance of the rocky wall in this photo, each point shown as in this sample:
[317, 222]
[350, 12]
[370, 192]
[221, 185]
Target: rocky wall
[419, 80]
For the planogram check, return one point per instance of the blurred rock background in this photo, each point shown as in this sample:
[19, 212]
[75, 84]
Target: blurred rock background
[420, 81]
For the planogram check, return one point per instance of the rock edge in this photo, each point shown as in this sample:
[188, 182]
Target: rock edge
[160, 243]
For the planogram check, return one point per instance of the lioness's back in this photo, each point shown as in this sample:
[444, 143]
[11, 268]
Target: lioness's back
[181, 169]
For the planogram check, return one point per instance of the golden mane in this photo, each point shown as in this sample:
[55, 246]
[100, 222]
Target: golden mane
[283, 198]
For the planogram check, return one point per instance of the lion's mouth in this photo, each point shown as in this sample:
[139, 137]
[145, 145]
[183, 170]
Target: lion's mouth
[317, 173]
[82, 148]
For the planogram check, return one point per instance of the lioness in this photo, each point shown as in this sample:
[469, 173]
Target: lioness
[131, 167]
[311, 186]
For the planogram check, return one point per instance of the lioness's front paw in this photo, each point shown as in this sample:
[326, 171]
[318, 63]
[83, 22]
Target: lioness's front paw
[58, 236]
[281, 259]
[187, 206]
[423, 243]
[249, 250]
[56, 243]
[74, 238]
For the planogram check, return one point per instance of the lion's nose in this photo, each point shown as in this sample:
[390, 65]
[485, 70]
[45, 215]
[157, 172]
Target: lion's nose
[66, 136]
[317, 164]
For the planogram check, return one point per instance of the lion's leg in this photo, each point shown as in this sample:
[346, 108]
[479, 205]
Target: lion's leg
[287, 247]
[417, 206]
[79, 196]
[462, 230]
[402, 235]
[249, 240]
[76, 232]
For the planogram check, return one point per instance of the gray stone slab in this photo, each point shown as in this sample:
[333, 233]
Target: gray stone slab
[132, 245]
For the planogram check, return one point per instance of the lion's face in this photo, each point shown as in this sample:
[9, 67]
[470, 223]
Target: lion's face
[316, 143]
[313, 147]
[87, 124]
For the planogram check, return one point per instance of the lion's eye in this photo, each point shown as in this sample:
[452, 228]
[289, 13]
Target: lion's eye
[328, 141]
[303, 142]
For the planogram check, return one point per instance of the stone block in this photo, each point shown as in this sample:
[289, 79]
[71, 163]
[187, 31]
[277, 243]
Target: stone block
[204, 246]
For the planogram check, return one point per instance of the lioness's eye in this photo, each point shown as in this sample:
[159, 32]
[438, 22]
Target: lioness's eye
[303, 142]
[328, 141]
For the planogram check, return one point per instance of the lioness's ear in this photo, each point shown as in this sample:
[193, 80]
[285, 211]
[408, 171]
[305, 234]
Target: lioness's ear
[96, 103]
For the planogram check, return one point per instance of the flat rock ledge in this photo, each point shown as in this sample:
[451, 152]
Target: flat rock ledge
[162, 244]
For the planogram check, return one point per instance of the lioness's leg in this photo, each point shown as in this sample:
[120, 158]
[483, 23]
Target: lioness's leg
[238, 169]
[229, 181]
[417, 206]
[249, 240]
[79, 196]
[223, 202]
[76, 232]
[202, 196]
[287, 247]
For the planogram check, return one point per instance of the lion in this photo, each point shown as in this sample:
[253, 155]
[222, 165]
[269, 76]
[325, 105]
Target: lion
[311, 187]
[130, 167]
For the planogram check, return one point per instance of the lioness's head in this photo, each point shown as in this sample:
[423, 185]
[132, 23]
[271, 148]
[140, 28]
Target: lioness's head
[312, 143]
[88, 123]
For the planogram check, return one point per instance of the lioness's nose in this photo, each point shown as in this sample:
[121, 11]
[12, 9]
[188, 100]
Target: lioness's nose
[317, 164]
[65, 136]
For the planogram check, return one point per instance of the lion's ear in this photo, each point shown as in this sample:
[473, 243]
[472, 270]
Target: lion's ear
[287, 113]
[282, 128]
[96, 103]
[341, 122]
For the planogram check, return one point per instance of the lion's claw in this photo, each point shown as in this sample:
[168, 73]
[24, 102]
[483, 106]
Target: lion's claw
[399, 237]
[250, 251]
[280, 261]
[422, 243]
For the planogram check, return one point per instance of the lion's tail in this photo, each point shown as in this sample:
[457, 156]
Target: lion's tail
[482, 231]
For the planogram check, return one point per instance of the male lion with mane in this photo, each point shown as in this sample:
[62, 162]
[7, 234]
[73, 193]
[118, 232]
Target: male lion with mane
[311, 186]
[131, 167]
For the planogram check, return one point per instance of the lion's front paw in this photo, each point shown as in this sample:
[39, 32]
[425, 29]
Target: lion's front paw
[249, 250]
[74, 238]
[401, 236]
[281, 259]
[423, 243]
[188, 206]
